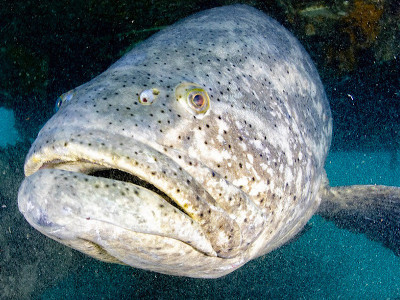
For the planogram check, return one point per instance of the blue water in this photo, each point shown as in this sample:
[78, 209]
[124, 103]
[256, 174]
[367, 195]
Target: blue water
[8, 133]
[324, 263]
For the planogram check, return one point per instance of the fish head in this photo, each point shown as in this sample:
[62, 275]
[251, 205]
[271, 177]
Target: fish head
[167, 161]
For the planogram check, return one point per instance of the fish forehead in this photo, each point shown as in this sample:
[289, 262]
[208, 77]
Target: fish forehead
[244, 60]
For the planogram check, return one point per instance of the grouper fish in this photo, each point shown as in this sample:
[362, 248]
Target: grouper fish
[199, 150]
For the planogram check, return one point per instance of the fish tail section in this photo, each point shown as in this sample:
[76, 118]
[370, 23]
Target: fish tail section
[370, 209]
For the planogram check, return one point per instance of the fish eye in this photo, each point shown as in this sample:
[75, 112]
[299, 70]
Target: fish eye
[66, 97]
[147, 97]
[58, 103]
[193, 97]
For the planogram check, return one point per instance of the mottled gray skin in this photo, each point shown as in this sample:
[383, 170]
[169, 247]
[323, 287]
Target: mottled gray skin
[245, 176]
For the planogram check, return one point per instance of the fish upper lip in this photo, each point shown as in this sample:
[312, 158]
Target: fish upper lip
[78, 157]
[148, 162]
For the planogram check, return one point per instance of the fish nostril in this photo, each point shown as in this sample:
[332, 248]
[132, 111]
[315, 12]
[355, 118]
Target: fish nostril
[148, 96]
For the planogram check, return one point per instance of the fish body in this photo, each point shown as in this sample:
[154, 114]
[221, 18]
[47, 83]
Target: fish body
[200, 149]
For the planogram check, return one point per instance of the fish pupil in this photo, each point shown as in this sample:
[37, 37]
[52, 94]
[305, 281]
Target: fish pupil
[198, 100]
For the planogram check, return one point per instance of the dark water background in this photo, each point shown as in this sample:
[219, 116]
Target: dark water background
[47, 41]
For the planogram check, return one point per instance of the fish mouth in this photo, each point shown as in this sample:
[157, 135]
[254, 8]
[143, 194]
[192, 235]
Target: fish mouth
[99, 172]
[119, 175]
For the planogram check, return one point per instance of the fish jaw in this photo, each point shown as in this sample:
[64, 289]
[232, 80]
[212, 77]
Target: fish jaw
[64, 201]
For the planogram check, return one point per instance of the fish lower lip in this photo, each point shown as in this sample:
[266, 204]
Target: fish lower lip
[71, 207]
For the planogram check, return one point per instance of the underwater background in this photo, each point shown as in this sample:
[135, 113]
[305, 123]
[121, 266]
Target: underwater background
[50, 47]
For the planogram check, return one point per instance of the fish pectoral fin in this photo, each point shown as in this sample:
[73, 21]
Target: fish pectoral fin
[370, 209]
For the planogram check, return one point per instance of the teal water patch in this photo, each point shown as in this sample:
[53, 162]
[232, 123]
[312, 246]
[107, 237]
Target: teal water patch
[8, 133]
[338, 264]
[347, 168]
